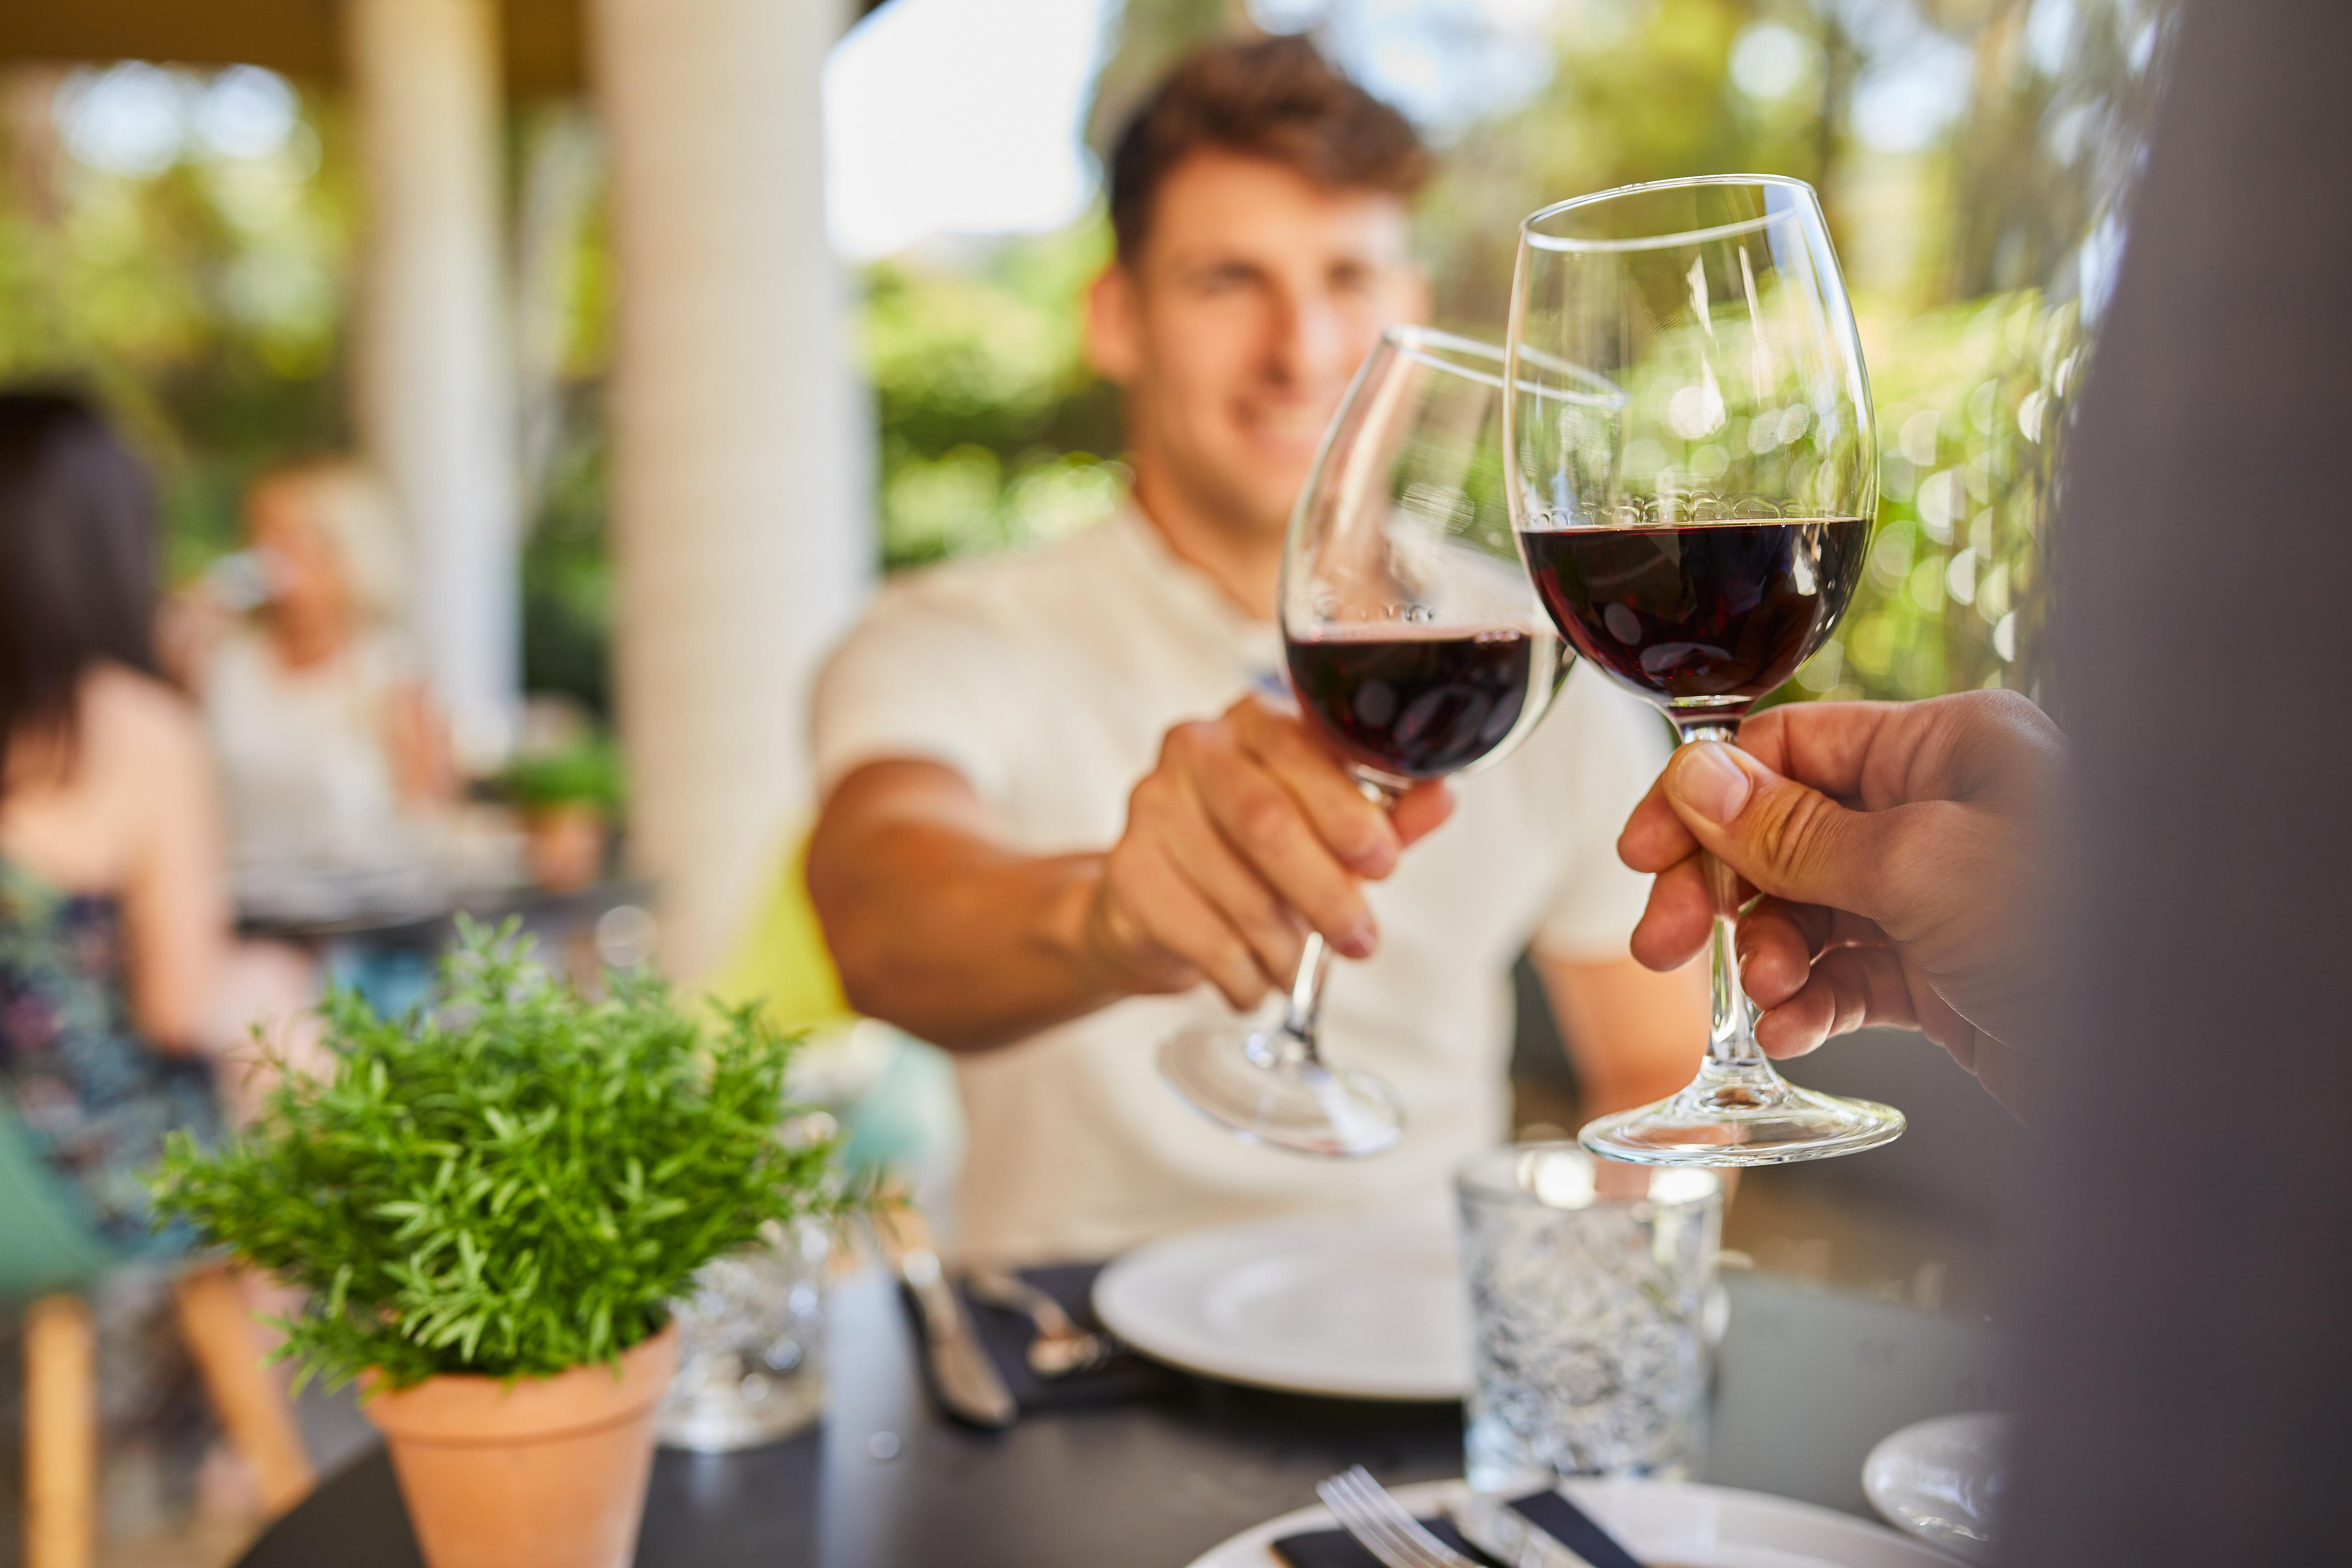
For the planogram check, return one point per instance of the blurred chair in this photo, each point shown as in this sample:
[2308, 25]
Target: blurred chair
[48, 1255]
[780, 959]
[894, 1095]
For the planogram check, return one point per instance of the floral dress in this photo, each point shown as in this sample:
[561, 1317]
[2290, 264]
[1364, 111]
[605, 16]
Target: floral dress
[95, 1097]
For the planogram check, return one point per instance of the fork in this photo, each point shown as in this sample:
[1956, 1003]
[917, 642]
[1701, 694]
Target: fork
[1060, 1346]
[1381, 1526]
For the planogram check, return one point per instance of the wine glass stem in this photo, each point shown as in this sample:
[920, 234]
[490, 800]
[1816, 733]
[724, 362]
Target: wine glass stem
[1731, 1036]
[1307, 993]
[1306, 1004]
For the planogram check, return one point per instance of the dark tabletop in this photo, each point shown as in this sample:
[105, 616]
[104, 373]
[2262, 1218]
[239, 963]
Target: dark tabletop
[430, 930]
[1807, 1381]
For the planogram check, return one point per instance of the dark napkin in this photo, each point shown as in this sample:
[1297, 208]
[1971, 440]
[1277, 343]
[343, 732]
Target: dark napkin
[1337, 1549]
[1574, 1529]
[1005, 1334]
[1548, 1511]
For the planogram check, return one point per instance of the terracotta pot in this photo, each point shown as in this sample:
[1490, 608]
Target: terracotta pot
[563, 847]
[547, 1473]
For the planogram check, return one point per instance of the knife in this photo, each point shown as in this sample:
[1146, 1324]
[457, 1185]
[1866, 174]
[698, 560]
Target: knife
[966, 1380]
[1541, 1530]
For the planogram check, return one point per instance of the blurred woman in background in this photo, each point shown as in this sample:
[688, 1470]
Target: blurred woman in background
[334, 759]
[114, 927]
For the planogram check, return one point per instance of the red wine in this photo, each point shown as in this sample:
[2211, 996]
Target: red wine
[1413, 701]
[1709, 616]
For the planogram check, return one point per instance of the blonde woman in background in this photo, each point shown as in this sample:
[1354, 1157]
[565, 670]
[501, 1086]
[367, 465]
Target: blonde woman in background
[333, 758]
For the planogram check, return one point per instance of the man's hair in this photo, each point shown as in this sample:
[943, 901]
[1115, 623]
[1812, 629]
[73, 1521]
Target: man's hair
[1277, 99]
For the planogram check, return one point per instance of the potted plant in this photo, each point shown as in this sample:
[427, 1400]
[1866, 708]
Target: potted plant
[567, 800]
[489, 1202]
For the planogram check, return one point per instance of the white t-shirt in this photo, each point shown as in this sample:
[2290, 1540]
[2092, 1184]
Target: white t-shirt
[1046, 679]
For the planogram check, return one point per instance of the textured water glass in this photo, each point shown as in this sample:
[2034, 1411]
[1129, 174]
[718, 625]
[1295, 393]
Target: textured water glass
[750, 1351]
[1589, 1293]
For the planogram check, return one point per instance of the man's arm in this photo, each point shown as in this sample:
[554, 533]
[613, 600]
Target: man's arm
[937, 928]
[1245, 835]
[1635, 1035]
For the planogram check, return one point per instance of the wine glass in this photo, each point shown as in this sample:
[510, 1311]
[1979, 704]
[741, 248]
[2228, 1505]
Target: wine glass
[1417, 649]
[1699, 544]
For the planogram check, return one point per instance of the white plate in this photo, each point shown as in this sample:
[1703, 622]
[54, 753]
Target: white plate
[1668, 1525]
[1944, 1480]
[1357, 1307]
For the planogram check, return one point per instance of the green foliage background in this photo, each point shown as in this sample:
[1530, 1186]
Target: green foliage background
[512, 1181]
[587, 772]
[206, 304]
[209, 302]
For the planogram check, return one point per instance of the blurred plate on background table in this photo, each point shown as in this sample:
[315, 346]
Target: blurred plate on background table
[1944, 1480]
[1667, 1524]
[1354, 1306]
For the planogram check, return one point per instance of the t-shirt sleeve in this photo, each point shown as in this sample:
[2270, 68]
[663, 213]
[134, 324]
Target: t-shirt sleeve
[1616, 745]
[915, 680]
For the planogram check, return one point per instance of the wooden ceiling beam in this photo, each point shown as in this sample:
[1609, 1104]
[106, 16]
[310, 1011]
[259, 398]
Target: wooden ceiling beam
[544, 41]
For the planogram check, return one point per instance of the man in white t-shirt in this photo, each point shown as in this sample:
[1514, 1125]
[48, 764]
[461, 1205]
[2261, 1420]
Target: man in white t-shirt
[1065, 812]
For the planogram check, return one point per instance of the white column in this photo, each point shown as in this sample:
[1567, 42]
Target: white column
[434, 393]
[742, 533]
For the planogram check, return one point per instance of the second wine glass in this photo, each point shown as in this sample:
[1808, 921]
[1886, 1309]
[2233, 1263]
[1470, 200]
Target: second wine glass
[1701, 541]
[1416, 646]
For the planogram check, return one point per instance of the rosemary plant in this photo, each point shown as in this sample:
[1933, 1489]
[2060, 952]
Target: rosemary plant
[588, 773]
[511, 1180]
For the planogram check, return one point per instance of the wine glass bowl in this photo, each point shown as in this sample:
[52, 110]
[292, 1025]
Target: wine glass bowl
[1412, 639]
[1701, 618]
[1415, 647]
[1699, 541]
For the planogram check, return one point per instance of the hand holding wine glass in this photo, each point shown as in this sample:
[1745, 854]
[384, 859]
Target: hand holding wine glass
[1246, 834]
[1900, 851]
[1416, 650]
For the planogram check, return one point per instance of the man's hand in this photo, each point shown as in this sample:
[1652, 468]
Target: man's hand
[1247, 834]
[1899, 847]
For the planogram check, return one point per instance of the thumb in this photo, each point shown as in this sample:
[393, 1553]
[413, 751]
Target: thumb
[1786, 840]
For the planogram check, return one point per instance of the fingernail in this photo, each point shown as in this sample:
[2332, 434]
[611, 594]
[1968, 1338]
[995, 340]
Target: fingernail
[1360, 938]
[1709, 782]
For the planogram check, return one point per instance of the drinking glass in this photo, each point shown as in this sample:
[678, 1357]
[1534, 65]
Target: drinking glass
[751, 1351]
[1416, 647]
[1590, 1290]
[1698, 543]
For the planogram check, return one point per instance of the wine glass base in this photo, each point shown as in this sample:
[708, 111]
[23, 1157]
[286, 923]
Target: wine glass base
[1249, 1080]
[1742, 1120]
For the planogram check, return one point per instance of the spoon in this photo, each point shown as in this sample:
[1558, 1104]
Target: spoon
[1061, 1346]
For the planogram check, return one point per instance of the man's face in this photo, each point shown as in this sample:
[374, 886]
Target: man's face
[1236, 330]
